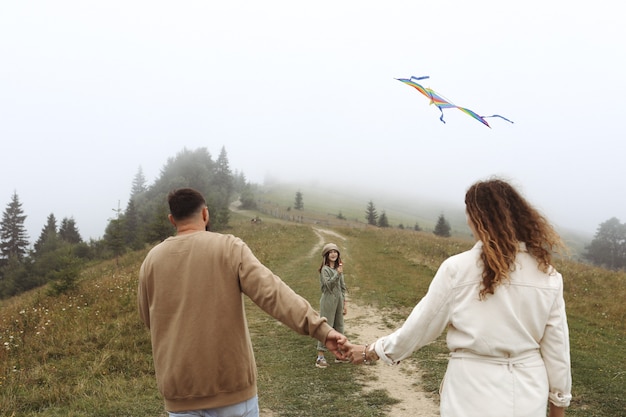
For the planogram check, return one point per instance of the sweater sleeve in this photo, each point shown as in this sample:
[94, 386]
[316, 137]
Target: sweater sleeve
[556, 354]
[276, 298]
[142, 297]
[425, 323]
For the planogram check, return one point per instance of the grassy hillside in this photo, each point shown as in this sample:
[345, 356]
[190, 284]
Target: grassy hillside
[324, 200]
[323, 203]
[87, 354]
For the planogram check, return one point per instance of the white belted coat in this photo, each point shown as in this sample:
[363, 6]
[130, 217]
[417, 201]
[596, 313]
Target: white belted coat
[509, 352]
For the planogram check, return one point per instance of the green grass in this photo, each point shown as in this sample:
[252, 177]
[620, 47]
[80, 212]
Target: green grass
[87, 354]
[84, 354]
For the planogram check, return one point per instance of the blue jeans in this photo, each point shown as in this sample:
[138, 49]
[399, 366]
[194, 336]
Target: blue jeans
[248, 408]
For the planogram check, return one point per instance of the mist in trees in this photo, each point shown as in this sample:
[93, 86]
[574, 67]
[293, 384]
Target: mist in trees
[144, 221]
[59, 251]
[608, 247]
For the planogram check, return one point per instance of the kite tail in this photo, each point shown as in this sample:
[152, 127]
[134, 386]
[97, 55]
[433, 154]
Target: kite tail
[501, 117]
[441, 110]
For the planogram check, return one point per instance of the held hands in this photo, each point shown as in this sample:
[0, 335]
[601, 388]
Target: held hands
[339, 345]
[354, 353]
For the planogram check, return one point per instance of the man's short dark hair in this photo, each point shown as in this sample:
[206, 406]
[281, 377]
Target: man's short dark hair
[185, 202]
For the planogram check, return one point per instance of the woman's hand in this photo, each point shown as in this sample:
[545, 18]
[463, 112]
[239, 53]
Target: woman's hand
[556, 411]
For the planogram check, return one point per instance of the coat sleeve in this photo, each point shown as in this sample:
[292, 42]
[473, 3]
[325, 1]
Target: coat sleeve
[329, 278]
[556, 353]
[343, 285]
[426, 322]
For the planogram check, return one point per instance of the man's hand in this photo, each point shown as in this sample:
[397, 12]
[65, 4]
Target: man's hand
[334, 340]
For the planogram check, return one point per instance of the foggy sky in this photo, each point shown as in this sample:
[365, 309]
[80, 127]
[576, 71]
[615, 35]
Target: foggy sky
[91, 91]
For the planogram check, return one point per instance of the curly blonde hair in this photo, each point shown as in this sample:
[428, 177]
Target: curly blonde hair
[502, 218]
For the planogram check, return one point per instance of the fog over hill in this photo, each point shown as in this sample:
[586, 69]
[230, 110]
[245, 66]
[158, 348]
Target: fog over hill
[308, 92]
[404, 208]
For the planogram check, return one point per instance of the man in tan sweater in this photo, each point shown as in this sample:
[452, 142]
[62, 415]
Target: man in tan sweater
[190, 296]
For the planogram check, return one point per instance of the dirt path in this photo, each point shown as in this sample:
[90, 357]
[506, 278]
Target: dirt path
[364, 324]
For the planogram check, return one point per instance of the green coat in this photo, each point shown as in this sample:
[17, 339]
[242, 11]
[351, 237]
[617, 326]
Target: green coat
[333, 289]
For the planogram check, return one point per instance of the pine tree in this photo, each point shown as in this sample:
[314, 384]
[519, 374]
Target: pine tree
[298, 203]
[370, 214]
[48, 237]
[221, 192]
[442, 228]
[223, 179]
[131, 232]
[608, 247]
[65, 277]
[114, 234]
[139, 184]
[13, 236]
[159, 227]
[247, 199]
[68, 231]
[382, 220]
[239, 181]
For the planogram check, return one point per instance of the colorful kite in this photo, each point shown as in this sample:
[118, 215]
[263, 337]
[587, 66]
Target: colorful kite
[442, 103]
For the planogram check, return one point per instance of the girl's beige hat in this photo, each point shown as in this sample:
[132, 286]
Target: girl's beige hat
[328, 247]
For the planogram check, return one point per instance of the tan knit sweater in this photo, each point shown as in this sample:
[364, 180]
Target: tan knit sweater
[190, 297]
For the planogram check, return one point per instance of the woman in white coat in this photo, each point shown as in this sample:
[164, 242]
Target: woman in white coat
[502, 305]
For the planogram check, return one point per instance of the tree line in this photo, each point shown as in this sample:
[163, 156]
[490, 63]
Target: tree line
[607, 249]
[442, 228]
[59, 251]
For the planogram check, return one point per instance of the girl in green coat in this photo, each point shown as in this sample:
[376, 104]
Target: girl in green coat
[333, 300]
